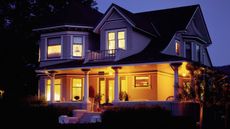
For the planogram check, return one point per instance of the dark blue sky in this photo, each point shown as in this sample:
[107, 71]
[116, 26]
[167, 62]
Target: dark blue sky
[216, 14]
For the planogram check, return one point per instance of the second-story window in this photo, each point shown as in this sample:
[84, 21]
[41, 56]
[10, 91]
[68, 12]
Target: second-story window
[54, 47]
[177, 48]
[116, 39]
[188, 50]
[198, 53]
[77, 46]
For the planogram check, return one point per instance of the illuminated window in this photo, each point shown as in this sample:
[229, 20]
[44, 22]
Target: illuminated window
[142, 81]
[177, 46]
[121, 39]
[54, 48]
[77, 46]
[116, 39]
[77, 88]
[57, 89]
[123, 84]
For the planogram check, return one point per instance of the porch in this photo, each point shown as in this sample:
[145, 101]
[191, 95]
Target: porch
[142, 83]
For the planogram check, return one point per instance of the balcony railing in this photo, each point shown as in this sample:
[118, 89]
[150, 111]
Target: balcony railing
[103, 55]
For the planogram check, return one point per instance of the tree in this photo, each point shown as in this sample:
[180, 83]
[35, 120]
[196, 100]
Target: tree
[19, 54]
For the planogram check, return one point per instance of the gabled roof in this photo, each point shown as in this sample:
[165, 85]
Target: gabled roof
[74, 14]
[160, 24]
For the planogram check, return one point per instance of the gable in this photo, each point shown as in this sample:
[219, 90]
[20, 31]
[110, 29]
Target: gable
[114, 16]
[197, 27]
[113, 12]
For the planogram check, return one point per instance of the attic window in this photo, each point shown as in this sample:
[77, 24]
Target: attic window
[54, 47]
[177, 47]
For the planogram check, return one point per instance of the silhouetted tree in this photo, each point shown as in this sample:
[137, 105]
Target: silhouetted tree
[19, 45]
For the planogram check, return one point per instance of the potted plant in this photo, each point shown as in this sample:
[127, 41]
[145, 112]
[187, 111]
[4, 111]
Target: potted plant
[124, 96]
[97, 99]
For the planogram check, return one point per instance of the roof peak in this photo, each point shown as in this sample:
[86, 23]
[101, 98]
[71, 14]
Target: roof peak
[172, 8]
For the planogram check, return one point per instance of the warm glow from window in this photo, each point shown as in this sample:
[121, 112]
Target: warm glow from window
[77, 88]
[116, 39]
[77, 50]
[111, 91]
[177, 48]
[142, 81]
[124, 87]
[102, 91]
[111, 40]
[57, 89]
[77, 46]
[121, 39]
[54, 47]
[54, 51]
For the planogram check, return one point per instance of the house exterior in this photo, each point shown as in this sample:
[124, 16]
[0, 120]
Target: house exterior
[84, 53]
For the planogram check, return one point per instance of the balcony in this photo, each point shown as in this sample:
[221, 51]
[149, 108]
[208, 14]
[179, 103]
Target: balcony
[104, 55]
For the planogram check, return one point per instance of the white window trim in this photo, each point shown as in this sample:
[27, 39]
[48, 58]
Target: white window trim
[83, 47]
[46, 48]
[116, 38]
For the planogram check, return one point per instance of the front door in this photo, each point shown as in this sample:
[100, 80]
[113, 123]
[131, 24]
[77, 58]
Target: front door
[106, 90]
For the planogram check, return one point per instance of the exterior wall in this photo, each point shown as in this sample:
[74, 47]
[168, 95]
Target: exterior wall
[135, 42]
[142, 93]
[165, 86]
[41, 86]
[171, 48]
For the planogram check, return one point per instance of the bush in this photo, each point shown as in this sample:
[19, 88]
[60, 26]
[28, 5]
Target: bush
[135, 117]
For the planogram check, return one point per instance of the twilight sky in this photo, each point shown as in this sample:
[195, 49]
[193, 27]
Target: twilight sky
[216, 14]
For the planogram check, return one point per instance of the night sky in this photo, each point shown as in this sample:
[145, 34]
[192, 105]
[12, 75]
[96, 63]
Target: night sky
[216, 14]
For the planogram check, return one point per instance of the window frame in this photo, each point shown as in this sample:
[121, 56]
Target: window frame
[47, 84]
[177, 47]
[83, 46]
[148, 81]
[116, 38]
[46, 48]
[82, 89]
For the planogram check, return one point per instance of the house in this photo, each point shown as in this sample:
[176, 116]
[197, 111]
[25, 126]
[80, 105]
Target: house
[84, 53]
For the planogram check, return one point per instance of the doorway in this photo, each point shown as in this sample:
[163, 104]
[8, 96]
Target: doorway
[106, 90]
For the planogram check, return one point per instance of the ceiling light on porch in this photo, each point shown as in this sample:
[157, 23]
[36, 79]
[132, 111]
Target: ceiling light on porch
[110, 73]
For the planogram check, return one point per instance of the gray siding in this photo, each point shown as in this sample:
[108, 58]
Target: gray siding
[135, 42]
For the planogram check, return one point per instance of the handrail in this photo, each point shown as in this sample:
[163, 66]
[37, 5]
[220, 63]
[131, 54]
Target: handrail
[102, 55]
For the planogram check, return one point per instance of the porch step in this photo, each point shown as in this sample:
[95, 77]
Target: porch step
[77, 115]
[91, 117]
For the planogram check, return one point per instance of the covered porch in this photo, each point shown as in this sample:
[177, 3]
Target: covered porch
[143, 83]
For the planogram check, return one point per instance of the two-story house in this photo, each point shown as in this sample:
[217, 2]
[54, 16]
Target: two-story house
[84, 53]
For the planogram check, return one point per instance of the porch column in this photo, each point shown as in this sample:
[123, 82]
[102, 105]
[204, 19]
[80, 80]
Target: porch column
[175, 67]
[86, 85]
[116, 84]
[52, 79]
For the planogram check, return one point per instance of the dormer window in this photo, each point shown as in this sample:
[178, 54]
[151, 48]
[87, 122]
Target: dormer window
[177, 48]
[77, 49]
[116, 39]
[54, 47]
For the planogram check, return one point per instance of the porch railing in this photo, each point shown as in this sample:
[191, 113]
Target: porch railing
[102, 55]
